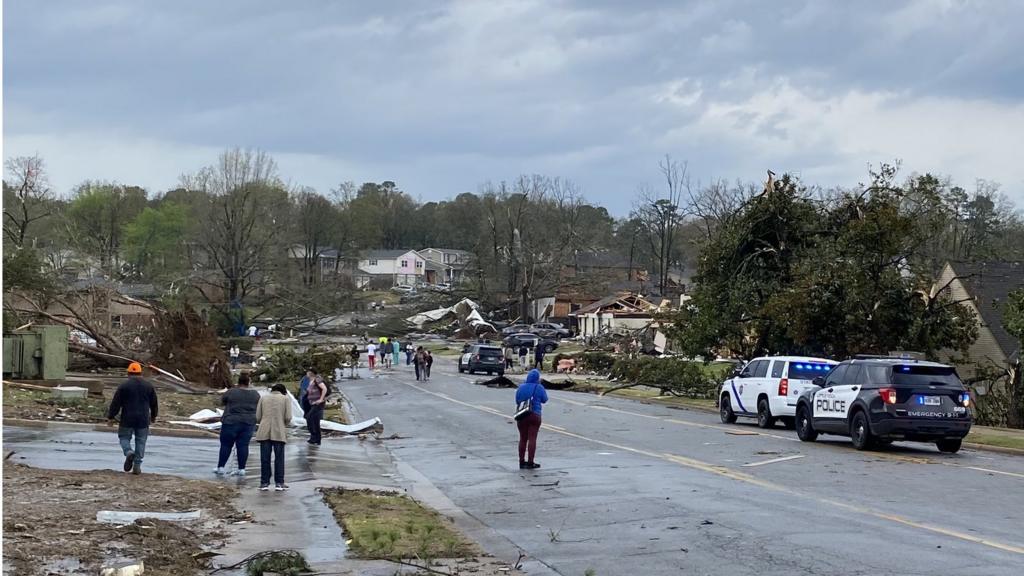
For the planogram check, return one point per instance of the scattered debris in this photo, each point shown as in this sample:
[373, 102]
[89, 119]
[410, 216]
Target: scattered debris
[210, 420]
[124, 517]
[774, 460]
[58, 511]
[742, 433]
[499, 382]
[130, 568]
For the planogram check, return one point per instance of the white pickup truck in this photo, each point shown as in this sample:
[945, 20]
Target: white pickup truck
[768, 388]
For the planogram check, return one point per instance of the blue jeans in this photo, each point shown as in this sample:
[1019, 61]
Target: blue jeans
[124, 434]
[235, 436]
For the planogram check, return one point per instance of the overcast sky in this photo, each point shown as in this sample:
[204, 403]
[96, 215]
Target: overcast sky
[441, 97]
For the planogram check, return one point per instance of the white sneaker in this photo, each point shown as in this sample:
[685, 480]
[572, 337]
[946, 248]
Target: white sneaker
[281, 487]
[219, 471]
[239, 473]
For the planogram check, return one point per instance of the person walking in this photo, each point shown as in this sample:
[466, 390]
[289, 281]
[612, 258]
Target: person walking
[234, 352]
[371, 354]
[353, 356]
[529, 425]
[381, 345]
[396, 352]
[420, 360]
[409, 352]
[510, 357]
[428, 361]
[136, 402]
[274, 414]
[317, 394]
[523, 351]
[538, 357]
[237, 424]
[303, 387]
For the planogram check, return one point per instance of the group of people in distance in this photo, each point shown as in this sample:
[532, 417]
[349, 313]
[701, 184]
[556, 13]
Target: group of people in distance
[386, 353]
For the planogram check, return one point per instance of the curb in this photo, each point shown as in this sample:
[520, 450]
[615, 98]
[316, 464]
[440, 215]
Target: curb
[991, 448]
[92, 427]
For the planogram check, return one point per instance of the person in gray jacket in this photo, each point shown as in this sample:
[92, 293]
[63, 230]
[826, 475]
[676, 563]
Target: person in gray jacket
[237, 424]
[274, 414]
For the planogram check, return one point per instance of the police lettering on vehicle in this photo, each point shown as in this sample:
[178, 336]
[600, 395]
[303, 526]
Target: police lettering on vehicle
[828, 402]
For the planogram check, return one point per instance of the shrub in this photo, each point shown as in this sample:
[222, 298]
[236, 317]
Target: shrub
[669, 375]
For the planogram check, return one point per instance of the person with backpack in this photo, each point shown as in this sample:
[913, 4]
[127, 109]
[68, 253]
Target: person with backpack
[428, 361]
[529, 423]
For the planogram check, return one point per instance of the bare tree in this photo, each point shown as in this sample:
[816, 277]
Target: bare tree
[27, 196]
[316, 221]
[661, 214]
[246, 201]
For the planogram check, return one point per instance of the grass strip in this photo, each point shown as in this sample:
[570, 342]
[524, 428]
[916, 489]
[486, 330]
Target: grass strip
[392, 526]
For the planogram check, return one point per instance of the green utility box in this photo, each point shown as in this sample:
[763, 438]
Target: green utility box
[40, 352]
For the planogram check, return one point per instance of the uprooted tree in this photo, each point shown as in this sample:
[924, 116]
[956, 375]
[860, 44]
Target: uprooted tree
[176, 341]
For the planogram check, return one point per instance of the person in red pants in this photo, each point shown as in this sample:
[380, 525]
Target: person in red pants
[529, 425]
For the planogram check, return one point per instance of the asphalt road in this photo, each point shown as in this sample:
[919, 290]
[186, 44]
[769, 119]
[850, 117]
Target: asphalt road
[629, 488]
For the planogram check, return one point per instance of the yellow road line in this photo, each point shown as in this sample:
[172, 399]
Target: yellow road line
[749, 479]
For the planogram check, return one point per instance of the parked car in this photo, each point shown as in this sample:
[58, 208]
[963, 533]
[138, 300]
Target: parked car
[403, 289]
[531, 341]
[483, 358]
[875, 401]
[550, 330]
[768, 388]
[515, 329]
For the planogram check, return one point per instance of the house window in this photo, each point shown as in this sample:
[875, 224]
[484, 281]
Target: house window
[116, 321]
[405, 263]
[373, 262]
[419, 264]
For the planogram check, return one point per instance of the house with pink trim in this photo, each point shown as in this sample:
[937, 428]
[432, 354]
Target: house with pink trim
[386, 268]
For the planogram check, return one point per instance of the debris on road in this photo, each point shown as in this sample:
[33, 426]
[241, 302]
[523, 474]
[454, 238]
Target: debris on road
[773, 460]
[499, 382]
[462, 319]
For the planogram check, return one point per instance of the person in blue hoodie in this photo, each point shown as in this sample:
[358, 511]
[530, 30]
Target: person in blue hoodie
[529, 425]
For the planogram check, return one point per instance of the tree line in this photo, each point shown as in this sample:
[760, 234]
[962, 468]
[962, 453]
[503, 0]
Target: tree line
[230, 230]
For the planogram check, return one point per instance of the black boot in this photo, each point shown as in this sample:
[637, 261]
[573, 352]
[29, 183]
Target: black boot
[523, 465]
[532, 465]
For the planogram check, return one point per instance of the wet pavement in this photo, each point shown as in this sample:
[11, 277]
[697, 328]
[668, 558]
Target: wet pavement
[631, 488]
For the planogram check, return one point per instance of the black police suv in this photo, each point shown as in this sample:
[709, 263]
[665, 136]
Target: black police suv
[875, 401]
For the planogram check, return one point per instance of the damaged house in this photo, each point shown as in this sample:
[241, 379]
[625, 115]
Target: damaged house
[621, 314]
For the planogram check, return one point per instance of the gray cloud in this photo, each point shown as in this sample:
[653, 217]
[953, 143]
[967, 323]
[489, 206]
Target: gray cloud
[441, 98]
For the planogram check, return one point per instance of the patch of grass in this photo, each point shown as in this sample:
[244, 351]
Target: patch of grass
[391, 526]
[1001, 440]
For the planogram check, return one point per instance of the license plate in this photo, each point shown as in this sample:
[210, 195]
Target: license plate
[932, 401]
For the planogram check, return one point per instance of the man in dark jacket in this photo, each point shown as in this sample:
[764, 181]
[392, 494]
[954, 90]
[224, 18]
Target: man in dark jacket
[135, 401]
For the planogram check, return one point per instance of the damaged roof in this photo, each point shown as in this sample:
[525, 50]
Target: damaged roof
[623, 304]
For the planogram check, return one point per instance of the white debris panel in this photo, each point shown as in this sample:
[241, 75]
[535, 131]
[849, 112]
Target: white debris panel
[210, 420]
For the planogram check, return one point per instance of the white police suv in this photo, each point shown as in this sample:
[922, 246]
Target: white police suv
[876, 400]
[768, 388]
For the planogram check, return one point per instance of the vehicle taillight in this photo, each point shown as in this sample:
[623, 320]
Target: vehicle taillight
[476, 357]
[888, 395]
[965, 398]
[783, 387]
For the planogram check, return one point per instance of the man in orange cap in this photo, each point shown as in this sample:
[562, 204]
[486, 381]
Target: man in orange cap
[135, 400]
